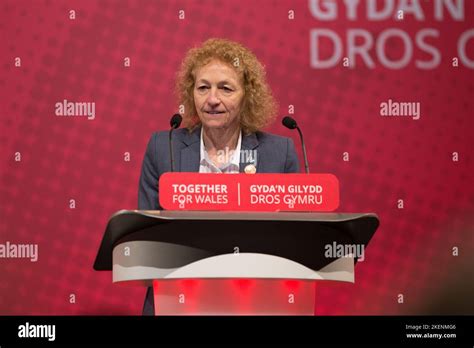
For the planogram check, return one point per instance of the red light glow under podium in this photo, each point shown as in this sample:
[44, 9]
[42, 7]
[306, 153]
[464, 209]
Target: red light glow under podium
[234, 297]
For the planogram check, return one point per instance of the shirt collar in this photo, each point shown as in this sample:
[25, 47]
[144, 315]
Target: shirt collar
[232, 165]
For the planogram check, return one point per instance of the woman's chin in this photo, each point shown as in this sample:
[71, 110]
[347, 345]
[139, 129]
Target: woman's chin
[215, 124]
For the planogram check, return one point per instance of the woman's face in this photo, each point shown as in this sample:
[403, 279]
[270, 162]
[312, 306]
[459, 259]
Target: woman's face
[218, 95]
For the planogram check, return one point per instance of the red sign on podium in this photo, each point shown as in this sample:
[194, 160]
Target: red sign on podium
[249, 192]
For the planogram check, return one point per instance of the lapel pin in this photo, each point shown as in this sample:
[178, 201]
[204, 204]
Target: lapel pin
[250, 169]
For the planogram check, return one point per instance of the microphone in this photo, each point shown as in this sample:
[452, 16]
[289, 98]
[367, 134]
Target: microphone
[175, 122]
[290, 123]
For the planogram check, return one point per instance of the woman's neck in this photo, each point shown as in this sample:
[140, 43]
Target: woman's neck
[216, 139]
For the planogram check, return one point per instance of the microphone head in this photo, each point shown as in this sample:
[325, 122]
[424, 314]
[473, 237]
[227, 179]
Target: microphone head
[175, 121]
[289, 122]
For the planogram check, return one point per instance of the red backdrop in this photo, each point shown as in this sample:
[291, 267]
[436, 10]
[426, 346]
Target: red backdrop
[47, 160]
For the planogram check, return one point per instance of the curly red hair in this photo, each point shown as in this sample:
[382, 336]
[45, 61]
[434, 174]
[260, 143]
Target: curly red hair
[258, 108]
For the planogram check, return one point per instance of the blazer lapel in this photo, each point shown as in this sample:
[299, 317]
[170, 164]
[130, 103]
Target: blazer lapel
[190, 154]
[248, 155]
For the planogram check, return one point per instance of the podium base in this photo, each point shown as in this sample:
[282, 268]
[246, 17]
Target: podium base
[234, 297]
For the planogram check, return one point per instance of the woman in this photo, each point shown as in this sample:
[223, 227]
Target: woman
[227, 102]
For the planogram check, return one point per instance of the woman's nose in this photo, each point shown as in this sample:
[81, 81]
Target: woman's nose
[213, 98]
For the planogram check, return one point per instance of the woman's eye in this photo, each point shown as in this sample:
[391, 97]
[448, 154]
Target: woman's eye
[202, 88]
[227, 89]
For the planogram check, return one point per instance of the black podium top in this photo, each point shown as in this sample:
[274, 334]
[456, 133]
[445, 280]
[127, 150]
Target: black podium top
[298, 236]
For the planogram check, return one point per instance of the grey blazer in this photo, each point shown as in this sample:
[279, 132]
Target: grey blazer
[274, 154]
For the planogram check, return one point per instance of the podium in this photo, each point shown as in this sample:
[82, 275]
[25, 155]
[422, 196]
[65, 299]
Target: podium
[233, 263]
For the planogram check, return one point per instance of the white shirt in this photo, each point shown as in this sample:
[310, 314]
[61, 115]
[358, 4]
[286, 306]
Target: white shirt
[232, 165]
